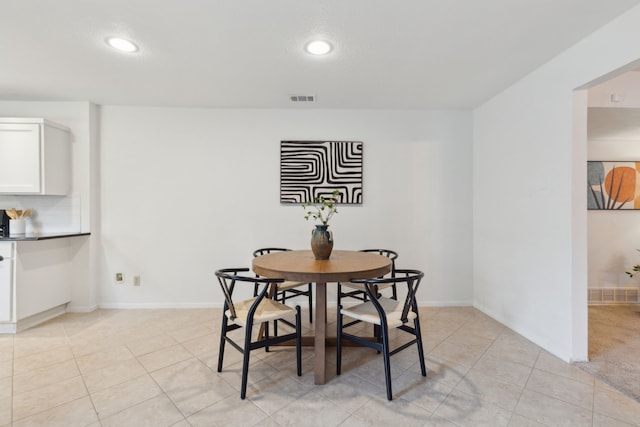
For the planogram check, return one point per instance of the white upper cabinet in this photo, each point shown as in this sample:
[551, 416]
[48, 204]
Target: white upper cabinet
[35, 157]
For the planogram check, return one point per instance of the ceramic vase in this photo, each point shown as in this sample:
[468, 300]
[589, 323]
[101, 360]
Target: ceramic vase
[321, 241]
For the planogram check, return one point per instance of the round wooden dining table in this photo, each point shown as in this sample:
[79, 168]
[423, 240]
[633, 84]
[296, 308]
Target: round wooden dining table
[301, 266]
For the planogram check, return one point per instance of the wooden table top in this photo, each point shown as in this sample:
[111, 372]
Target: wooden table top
[303, 267]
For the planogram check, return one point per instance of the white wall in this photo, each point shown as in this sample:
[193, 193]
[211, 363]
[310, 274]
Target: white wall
[529, 199]
[614, 240]
[186, 191]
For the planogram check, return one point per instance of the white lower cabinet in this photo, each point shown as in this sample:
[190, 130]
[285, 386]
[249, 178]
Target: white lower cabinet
[35, 282]
[7, 291]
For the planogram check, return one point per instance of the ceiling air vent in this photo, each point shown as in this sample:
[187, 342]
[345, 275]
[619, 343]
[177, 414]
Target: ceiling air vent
[303, 98]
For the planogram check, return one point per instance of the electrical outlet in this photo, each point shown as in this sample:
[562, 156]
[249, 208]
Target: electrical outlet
[119, 278]
[136, 280]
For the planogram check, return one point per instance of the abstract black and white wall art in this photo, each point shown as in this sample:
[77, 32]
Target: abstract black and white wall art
[309, 169]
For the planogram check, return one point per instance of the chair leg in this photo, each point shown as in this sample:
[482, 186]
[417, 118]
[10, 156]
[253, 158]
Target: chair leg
[223, 335]
[245, 360]
[275, 322]
[310, 304]
[339, 341]
[266, 333]
[416, 323]
[387, 364]
[298, 341]
[377, 334]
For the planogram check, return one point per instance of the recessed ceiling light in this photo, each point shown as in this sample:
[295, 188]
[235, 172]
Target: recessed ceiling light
[121, 44]
[318, 47]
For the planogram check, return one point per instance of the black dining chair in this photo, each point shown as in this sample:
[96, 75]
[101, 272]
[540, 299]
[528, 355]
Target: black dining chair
[288, 289]
[356, 290]
[254, 311]
[385, 313]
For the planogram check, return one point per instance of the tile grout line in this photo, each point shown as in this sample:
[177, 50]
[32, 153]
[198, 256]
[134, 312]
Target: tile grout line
[512, 412]
[461, 378]
[164, 392]
[524, 387]
[13, 371]
[593, 405]
[148, 374]
[75, 360]
[53, 407]
[561, 399]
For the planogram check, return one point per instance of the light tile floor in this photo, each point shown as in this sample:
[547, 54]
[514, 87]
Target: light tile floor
[157, 368]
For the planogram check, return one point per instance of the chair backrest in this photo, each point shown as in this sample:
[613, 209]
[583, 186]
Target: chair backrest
[411, 277]
[264, 251]
[227, 277]
[392, 255]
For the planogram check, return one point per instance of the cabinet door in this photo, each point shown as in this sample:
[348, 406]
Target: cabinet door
[19, 158]
[6, 282]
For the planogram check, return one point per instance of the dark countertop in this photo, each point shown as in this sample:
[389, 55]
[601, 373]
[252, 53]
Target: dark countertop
[41, 236]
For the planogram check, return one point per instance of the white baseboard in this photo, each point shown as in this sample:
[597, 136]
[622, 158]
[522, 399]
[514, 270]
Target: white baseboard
[42, 317]
[158, 305]
[81, 308]
[301, 303]
[8, 328]
[445, 303]
[31, 321]
[538, 340]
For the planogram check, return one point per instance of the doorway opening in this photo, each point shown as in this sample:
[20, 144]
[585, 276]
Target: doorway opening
[613, 234]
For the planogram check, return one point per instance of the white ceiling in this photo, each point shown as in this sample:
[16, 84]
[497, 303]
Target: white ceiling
[248, 53]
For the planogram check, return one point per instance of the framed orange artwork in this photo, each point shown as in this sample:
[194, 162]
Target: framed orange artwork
[613, 185]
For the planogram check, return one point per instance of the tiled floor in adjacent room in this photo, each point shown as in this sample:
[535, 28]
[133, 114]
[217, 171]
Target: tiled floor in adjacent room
[157, 368]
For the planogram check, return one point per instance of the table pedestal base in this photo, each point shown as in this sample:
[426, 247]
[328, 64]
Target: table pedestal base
[320, 337]
[320, 341]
